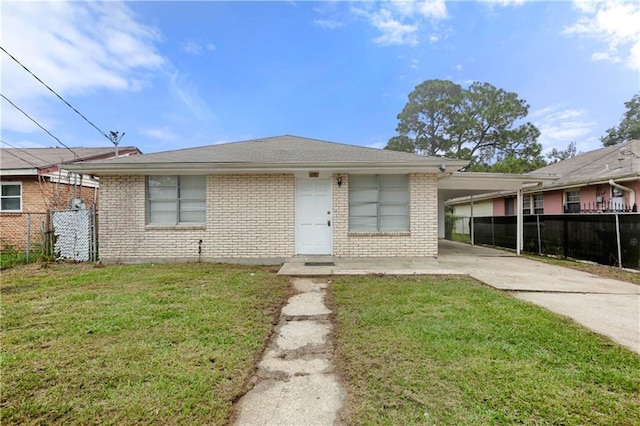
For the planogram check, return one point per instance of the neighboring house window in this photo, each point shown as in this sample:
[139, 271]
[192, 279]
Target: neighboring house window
[526, 204]
[174, 200]
[509, 206]
[379, 203]
[538, 204]
[573, 202]
[11, 200]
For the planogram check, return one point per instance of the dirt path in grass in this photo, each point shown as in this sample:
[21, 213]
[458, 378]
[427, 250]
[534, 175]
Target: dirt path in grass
[295, 381]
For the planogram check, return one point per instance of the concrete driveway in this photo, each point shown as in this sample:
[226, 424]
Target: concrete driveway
[608, 307]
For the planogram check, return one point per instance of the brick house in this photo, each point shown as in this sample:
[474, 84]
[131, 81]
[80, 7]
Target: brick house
[35, 180]
[605, 180]
[267, 200]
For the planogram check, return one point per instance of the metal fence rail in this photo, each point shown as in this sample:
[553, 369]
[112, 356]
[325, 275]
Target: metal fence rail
[608, 239]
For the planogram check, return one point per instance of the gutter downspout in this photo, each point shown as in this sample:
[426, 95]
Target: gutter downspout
[632, 192]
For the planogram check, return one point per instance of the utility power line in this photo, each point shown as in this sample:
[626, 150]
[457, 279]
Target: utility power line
[38, 124]
[55, 93]
[21, 158]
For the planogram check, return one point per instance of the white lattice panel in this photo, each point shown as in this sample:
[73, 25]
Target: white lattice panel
[72, 229]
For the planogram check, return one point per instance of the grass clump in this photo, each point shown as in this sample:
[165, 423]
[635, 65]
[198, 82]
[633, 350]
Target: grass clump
[425, 350]
[162, 344]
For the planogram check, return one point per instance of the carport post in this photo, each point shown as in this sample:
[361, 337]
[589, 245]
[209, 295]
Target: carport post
[471, 229]
[519, 222]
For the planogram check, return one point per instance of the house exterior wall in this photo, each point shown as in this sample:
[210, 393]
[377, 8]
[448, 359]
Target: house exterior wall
[421, 240]
[39, 195]
[553, 202]
[498, 206]
[251, 217]
[593, 198]
[480, 209]
[248, 216]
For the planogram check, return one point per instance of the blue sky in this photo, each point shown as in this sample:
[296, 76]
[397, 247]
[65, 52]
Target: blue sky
[182, 74]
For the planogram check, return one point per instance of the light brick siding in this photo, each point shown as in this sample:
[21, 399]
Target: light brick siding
[38, 196]
[422, 240]
[248, 216]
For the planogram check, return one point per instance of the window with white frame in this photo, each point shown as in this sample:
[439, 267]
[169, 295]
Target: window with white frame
[526, 204]
[11, 200]
[538, 204]
[173, 200]
[573, 201]
[379, 203]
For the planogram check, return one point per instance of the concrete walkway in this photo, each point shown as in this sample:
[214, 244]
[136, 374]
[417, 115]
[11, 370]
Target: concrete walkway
[294, 383]
[608, 307]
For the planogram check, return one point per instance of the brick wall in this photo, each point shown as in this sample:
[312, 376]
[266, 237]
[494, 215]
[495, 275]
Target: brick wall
[421, 240]
[248, 216]
[38, 196]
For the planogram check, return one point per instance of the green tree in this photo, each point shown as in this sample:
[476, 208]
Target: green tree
[476, 124]
[558, 155]
[512, 164]
[629, 127]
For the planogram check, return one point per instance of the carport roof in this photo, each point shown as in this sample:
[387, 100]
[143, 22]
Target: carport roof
[465, 184]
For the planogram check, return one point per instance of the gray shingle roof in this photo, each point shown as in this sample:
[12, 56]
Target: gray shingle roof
[30, 158]
[594, 166]
[274, 150]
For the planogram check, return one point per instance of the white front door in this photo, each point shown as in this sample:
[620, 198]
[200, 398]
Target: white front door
[314, 227]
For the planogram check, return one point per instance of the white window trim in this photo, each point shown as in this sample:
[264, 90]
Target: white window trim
[533, 203]
[378, 215]
[567, 202]
[527, 209]
[177, 200]
[12, 183]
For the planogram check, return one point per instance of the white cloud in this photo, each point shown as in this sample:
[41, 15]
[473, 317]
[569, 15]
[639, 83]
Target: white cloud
[183, 89]
[504, 3]
[74, 47]
[402, 22]
[559, 126]
[614, 24]
[331, 24]
[195, 48]
[161, 133]
[458, 67]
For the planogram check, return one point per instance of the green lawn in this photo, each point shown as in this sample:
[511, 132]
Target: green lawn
[444, 351]
[151, 344]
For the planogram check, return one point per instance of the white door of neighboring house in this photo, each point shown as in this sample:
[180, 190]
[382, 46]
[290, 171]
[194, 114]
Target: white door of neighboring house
[314, 227]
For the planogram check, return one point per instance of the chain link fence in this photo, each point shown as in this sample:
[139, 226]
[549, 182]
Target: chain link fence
[608, 239]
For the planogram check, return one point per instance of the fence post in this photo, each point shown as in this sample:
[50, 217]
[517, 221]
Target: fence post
[618, 241]
[539, 235]
[565, 236]
[94, 236]
[28, 237]
[493, 232]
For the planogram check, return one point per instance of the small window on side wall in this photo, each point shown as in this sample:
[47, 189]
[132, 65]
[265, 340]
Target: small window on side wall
[526, 204]
[173, 200]
[509, 206]
[11, 200]
[573, 202]
[538, 204]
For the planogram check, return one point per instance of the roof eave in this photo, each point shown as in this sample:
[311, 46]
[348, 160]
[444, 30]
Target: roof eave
[19, 172]
[434, 166]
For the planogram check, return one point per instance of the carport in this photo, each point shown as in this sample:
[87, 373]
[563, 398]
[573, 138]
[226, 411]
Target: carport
[467, 184]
